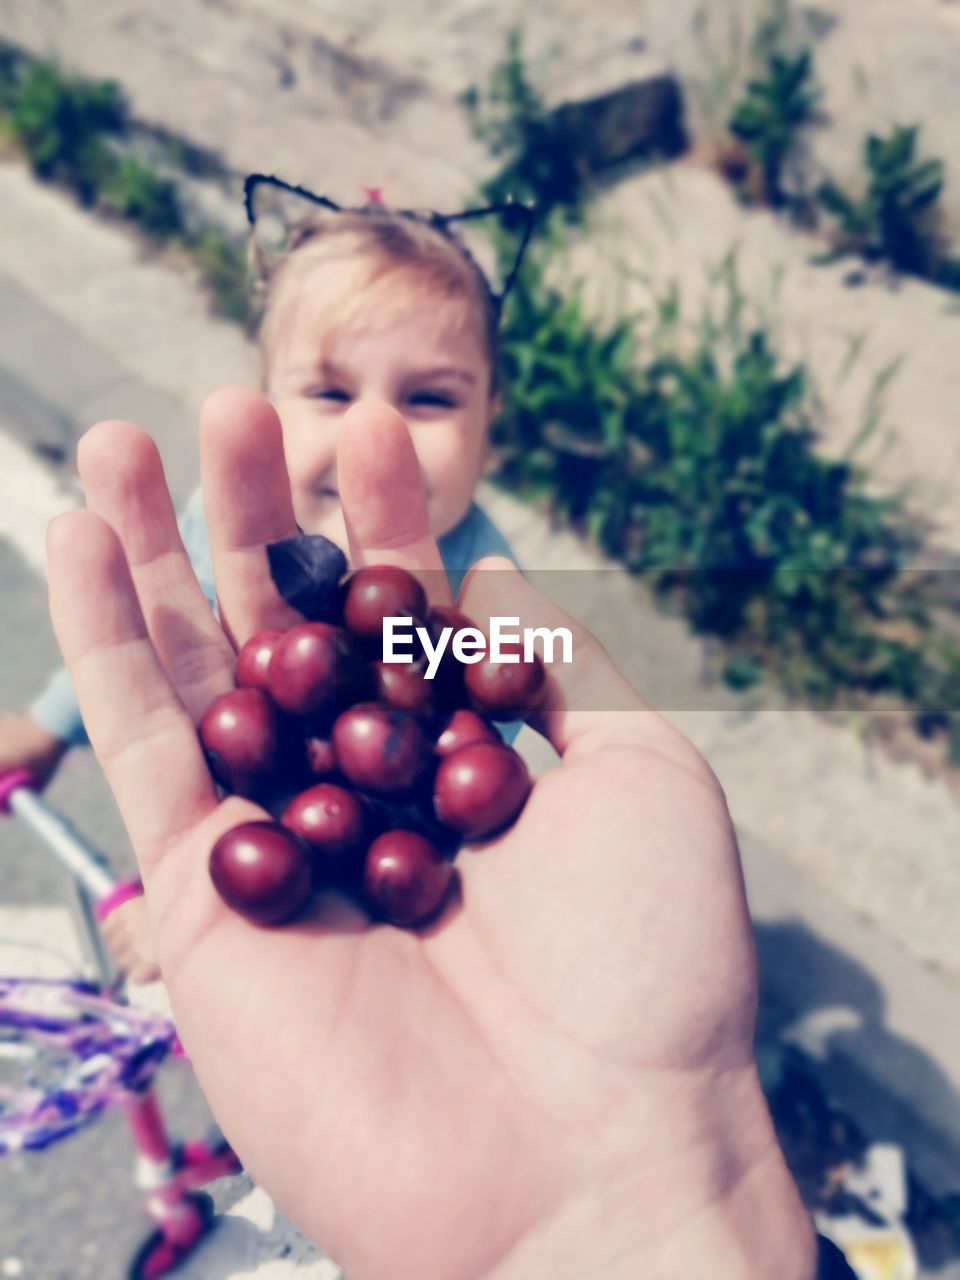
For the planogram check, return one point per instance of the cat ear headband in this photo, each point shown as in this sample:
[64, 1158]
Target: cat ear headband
[268, 199]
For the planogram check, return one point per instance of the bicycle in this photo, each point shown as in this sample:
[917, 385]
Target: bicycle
[71, 1048]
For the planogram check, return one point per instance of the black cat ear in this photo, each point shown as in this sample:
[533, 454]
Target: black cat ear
[516, 219]
[520, 220]
[278, 213]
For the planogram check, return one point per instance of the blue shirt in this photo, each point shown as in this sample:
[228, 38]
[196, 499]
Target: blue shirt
[473, 538]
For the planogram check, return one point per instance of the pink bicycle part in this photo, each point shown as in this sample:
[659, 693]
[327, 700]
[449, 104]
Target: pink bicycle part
[106, 1053]
[121, 892]
[15, 780]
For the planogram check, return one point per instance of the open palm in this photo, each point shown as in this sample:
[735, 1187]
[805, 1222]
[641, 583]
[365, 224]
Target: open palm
[547, 1060]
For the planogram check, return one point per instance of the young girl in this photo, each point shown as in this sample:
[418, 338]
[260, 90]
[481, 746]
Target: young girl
[363, 305]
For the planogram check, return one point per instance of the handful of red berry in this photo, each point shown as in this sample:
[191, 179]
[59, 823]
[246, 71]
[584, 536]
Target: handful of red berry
[375, 775]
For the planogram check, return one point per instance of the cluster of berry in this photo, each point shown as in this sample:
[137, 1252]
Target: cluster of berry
[375, 775]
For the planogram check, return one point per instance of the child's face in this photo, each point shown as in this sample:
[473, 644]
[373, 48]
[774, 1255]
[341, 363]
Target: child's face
[436, 380]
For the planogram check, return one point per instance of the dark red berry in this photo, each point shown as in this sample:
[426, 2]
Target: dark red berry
[380, 749]
[240, 735]
[505, 690]
[404, 685]
[480, 789]
[319, 760]
[262, 871]
[405, 878]
[312, 669]
[250, 671]
[333, 823]
[461, 728]
[377, 592]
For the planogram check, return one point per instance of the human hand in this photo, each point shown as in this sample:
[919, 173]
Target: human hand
[129, 934]
[25, 744]
[556, 1078]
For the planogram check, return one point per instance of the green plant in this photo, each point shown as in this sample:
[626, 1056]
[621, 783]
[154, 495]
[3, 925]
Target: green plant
[62, 123]
[73, 131]
[774, 108]
[730, 42]
[896, 219]
[8, 76]
[742, 671]
[540, 159]
[693, 460]
[135, 191]
[222, 265]
[695, 464]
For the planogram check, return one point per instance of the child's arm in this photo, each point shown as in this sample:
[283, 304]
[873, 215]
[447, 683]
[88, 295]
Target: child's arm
[39, 738]
[56, 711]
[27, 744]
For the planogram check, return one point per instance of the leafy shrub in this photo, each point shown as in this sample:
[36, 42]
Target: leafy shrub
[135, 191]
[8, 76]
[73, 131]
[774, 108]
[695, 465]
[895, 220]
[742, 672]
[538, 154]
[62, 122]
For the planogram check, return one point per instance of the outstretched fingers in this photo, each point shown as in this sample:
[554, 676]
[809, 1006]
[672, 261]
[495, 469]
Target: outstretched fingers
[124, 484]
[247, 500]
[141, 732]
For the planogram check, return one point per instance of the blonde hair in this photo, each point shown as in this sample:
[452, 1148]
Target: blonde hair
[397, 259]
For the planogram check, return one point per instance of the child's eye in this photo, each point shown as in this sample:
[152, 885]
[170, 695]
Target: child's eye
[328, 393]
[432, 399]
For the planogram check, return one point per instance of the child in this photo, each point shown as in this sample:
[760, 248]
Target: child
[364, 305]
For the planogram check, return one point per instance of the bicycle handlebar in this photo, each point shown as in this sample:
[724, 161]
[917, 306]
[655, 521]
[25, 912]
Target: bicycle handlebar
[18, 796]
[15, 780]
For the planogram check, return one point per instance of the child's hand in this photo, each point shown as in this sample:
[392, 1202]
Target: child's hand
[24, 744]
[129, 935]
[557, 1077]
